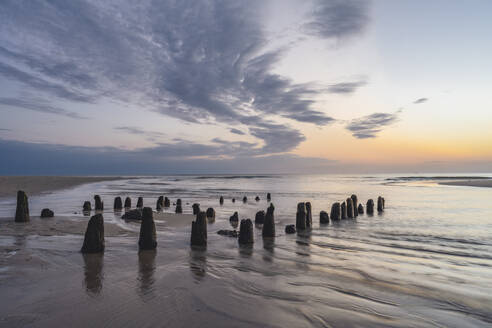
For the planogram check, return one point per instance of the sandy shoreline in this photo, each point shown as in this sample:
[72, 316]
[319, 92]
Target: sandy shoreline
[485, 183]
[34, 185]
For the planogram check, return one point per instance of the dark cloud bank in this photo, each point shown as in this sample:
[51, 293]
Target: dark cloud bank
[49, 159]
[198, 61]
[180, 158]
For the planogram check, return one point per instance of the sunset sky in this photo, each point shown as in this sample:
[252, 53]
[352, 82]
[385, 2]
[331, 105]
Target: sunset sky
[163, 87]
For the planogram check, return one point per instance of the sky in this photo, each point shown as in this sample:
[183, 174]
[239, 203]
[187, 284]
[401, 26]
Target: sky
[224, 86]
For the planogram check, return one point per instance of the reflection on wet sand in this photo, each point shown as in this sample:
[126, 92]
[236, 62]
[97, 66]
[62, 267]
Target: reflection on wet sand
[93, 273]
[146, 270]
[303, 244]
[198, 263]
[269, 246]
[245, 250]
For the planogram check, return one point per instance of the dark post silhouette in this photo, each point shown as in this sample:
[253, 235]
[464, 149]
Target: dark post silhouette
[210, 214]
[99, 204]
[118, 204]
[22, 210]
[179, 209]
[94, 235]
[335, 212]
[360, 209]
[370, 206]
[355, 204]
[87, 206]
[269, 223]
[309, 215]
[128, 202]
[380, 204]
[199, 230]
[350, 208]
[140, 202]
[260, 217]
[47, 213]
[148, 236]
[246, 232]
[196, 208]
[324, 218]
[301, 216]
[343, 210]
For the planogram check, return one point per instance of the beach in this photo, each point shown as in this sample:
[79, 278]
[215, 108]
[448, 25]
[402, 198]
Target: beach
[418, 263]
[485, 183]
[34, 185]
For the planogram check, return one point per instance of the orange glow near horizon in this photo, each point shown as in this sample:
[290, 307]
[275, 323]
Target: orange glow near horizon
[394, 147]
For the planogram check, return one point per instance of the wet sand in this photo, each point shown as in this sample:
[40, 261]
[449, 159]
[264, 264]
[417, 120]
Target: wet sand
[485, 183]
[46, 281]
[33, 185]
[174, 220]
[60, 226]
[55, 226]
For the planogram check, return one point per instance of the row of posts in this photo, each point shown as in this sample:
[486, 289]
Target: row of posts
[94, 236]
[304, 221]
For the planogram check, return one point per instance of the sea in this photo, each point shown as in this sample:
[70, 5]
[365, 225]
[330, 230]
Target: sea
[426, 261]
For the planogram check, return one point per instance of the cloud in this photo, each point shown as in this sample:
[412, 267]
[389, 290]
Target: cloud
[198, 61]
[420, 101]
[346, 87]
[369, 126]
[65, 70]
[181, 157]
[277, 138]
[38, 105]
[139, 131]
[337, 18]
[5, 129]
[274, 94]
[43, 85]
[236, 131]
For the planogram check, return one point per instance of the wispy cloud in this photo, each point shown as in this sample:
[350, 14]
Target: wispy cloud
[139, 131]
[346, 87]
[38, 105]
[42, 85]
[338, 18]
[369, 126]
[236, 131]
[274, 94]
[420, 100]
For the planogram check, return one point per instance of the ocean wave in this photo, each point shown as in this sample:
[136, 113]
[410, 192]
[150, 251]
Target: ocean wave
[231, 177]
[439, 178]
[427, 238]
